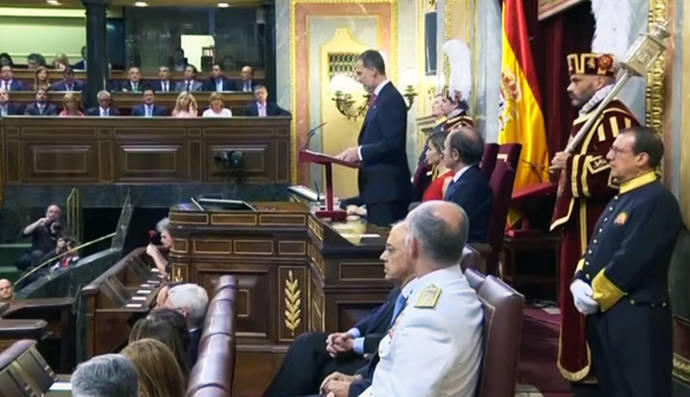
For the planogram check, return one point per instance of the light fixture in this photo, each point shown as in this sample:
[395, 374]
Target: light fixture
[53, 2]
[409, 81]
[141, 4]
[342, 87]
[223, 4]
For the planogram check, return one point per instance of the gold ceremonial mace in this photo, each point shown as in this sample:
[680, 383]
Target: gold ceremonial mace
[638, 59]
[53, 259]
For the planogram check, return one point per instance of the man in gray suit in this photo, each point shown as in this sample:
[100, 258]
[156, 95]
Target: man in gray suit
[189, 83]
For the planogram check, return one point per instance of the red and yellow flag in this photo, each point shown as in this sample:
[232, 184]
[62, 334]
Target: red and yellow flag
[521, 119]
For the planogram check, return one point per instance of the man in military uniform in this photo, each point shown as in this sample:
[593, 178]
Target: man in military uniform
[434, 347]
[584, 188]
[621, 281]
[314, 355]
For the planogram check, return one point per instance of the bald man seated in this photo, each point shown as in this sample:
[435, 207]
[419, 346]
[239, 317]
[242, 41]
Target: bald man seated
[6, 290]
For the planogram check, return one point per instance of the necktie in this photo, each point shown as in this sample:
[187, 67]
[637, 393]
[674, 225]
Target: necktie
[246, 87]
[40, 108]
[148, 110]
[189, 86]
[165, 86]
[398, 308]
[134, 87]
[372, 99]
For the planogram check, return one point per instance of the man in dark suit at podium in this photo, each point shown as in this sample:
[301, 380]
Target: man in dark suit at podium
[384, 177]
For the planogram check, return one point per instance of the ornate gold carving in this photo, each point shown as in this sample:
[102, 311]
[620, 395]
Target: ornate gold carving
[655, 76]
[315, 228]
[681, 368]
[293, 303]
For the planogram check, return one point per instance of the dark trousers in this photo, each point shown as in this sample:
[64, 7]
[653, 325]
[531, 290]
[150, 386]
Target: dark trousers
[29, 260]
[632, 350]
[307, 364]
[384, 214]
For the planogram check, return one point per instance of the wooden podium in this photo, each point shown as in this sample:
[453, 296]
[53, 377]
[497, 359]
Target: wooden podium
[308, 156]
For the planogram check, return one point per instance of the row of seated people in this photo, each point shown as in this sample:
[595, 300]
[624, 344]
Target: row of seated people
[216, 82]
[426, 339]
[185, 106]
[160, 358]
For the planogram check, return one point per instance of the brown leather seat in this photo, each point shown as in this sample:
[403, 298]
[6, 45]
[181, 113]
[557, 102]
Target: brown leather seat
[502, 332]
[23, 371]
[213, 374]
[212, 369]
[217, 343]
[226, 281]
[225, 294]
[475, 278]
[470, 259]
[210, 391]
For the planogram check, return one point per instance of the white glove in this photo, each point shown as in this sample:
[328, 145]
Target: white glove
[582, 297]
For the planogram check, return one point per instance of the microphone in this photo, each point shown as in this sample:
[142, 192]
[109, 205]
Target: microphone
[311, 133]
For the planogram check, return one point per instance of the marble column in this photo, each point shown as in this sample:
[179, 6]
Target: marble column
[97, 50]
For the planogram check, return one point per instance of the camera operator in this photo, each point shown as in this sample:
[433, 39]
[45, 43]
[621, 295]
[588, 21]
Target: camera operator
[44, 233]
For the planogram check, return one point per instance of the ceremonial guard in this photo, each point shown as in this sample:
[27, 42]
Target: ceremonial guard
[621, 280]
[584, 188]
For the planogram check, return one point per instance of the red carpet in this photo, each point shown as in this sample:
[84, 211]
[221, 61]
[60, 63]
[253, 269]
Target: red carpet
[538, 352]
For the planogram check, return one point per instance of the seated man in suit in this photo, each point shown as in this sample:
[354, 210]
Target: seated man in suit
[7, 80]
[191, 301]
[163, 84]
[218, 82]
[189, 83]
[134, 83]
[41, 107]
[261, 107]
[7, 108]
[434, 348]
[246, 83]
[314, 355]
[149, 108]
[462, 152]
[104, 108]
[68, 82]
[81, 64]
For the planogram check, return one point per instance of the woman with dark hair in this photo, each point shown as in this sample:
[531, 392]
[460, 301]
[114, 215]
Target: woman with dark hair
[167, 326]
[6, 59]
[434, 158]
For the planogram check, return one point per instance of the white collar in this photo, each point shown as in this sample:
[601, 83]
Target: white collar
[408, 288]
[460, 172]
[379, 87]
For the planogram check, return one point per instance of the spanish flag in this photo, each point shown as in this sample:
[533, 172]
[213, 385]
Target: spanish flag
[521, 119]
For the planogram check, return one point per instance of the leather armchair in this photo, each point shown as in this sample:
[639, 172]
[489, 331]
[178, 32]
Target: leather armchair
[214, 372]
[502, 334]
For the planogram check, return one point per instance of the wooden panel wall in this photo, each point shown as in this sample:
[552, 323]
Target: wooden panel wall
[72, 151]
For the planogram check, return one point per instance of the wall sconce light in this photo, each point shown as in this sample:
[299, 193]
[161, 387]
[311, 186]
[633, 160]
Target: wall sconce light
[343, 87]
[409, 81]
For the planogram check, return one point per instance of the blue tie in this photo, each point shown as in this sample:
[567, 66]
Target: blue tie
[398, 308]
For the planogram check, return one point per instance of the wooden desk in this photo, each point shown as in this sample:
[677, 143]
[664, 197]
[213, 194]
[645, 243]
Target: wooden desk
[13, 330]
[126, 150]
[58, 346]
[116, 299]
[296, 273]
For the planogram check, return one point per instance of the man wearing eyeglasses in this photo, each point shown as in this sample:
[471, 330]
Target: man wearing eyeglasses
[585, 186]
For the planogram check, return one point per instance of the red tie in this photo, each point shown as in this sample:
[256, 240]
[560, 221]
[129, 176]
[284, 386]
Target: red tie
[372, 99]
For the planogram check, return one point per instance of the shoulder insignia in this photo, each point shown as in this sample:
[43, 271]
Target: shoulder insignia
[428, 297]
